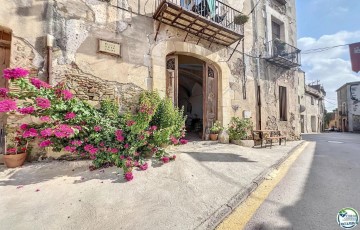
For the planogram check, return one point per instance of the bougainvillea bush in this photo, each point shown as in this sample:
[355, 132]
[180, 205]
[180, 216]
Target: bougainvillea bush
[102, 134]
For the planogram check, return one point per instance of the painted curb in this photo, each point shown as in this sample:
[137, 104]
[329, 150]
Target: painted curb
[225, 210]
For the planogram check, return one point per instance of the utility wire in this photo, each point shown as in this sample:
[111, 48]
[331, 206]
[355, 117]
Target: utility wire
[254, 8]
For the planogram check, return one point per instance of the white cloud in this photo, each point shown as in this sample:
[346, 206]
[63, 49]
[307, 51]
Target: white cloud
[331, 67]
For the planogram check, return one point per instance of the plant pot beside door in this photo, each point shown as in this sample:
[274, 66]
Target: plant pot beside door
[215, 130]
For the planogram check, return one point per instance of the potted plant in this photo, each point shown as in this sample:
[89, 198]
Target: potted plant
[215, 130]
[240, 19]
[239, 130]
[15, 154]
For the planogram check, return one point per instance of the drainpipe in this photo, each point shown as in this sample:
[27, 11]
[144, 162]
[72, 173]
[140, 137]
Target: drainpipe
[50, 39]
[49, 43]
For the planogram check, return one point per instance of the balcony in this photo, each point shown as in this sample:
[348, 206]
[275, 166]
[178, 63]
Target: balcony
[282, 54]
[278, 5]
[216, 25]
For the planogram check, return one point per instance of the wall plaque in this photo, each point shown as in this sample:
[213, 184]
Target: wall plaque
[109, 47]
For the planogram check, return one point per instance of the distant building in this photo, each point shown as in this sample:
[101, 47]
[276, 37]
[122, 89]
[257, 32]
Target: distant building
[333, 120]
[348, 97]
[312, 108]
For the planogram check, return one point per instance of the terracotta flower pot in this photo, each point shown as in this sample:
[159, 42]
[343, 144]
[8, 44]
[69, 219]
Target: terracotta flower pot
[16, 160]
[213, 136]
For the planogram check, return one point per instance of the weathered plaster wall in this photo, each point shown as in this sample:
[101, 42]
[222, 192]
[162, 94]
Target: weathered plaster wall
[78, 24]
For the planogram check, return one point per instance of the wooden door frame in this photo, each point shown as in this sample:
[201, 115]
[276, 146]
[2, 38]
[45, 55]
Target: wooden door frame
[205, 72]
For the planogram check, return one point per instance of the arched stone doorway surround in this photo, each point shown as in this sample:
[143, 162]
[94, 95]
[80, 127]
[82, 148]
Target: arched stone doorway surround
[165, 48]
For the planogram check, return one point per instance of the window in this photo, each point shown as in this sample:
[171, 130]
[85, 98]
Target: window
[276, 29]
[283, 103]
[312, 100]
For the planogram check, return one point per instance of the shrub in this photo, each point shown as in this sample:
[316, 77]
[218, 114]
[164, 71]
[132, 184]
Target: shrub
[216, 128]
[103, 135]
[239, 129]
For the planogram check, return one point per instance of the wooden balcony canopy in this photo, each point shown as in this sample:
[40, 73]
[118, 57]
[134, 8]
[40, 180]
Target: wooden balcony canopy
[216, 25]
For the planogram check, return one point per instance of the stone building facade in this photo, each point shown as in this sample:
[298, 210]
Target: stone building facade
[206, 62]
[313, 116]
[348, 97]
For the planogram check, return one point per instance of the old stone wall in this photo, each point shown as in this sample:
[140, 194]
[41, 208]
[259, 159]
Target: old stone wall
[77, 25]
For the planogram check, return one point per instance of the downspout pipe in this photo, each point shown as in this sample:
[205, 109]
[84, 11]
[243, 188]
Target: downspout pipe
[50, 39]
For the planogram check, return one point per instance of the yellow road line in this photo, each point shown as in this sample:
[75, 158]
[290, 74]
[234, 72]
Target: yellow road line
[242, 214]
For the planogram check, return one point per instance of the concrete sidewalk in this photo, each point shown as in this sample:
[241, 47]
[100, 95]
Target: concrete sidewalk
[194, 192]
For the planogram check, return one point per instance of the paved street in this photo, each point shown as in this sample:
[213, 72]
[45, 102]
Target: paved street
[190, 193]
[324, 179]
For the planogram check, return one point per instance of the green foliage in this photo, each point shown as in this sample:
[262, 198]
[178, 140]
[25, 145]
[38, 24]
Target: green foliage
[216, 128]
[239, 129]
[104, 135]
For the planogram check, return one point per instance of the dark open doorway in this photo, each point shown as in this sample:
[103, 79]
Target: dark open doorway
[190, 94]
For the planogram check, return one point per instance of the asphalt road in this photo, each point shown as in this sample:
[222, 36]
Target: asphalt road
[324, 179]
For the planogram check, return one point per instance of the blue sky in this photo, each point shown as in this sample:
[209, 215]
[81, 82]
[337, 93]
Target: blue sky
[323, 23]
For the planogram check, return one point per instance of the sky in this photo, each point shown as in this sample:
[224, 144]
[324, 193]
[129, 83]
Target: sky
[324, 23]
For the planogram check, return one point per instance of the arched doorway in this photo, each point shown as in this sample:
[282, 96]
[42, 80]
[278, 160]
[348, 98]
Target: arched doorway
[192, 83]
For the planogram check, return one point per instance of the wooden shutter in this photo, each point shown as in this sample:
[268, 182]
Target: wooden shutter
[283, 103]
[210, 94]
[172, 78]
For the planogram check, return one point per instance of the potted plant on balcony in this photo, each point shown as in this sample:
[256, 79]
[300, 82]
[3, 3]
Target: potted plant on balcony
[240, 19]
[279, 47]
[215, 130]
[15, 154]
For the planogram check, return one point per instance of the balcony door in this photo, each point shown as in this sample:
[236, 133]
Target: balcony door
[193, 84]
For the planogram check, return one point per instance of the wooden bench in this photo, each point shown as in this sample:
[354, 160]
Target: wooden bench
[268, 136]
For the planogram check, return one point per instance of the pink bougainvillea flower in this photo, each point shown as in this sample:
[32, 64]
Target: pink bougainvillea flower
[128, 163]
[70, 149]
[45, 118]
[136, 154]
[102, 144]
[30, 133]
[15, 73]
[67, 95]
[165, 159]
[126, 146]
[46, 132]
[23, 126]
[130, 123]
[174, 140]
[69, 116]
[45, 143]
[76, 142]
[153, 128]
[26, 110]
[7, 105]
[97, 128]
[119, 136]
[144, 166]
[93, 150]
[128, 176]
[77, 127]
[183, 141]
[4, 92]
[122, 157]
[173, 157]
[39, 83]
[11, 150]
[63, 131]
[43, 102]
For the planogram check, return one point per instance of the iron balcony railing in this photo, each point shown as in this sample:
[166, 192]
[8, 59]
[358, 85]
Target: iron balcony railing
[218, 12]
[283, 53]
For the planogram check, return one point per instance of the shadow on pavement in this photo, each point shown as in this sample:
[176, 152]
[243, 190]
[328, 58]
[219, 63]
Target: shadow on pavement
[218, 157]
[77, 172]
